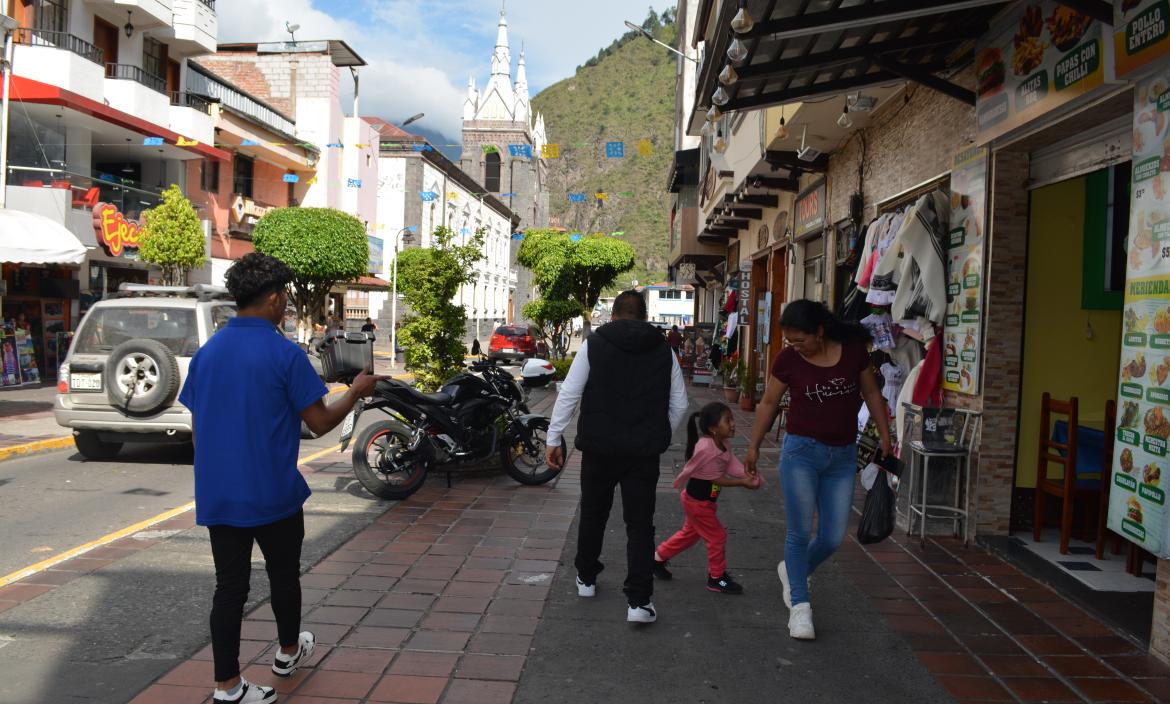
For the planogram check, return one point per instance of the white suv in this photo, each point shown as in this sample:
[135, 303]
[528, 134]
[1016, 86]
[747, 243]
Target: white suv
[121, 378]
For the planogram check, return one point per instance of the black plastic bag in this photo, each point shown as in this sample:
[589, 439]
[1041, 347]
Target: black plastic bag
[878, 514]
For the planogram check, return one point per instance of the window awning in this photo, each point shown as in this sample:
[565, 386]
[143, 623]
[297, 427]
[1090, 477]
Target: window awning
[29, 238]
[820, 48]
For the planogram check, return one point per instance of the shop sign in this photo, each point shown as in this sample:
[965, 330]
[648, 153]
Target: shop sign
[1044, 55]
[1138, 495]
[810, 210]
[374, 264]
[963, 326]
[245, 211]
[118, 236]
[1141, 33]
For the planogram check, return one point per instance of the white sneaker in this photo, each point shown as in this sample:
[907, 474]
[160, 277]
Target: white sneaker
[249, 694]
[782, 572]
[642, 614]
[586, 590]
[287, 665]
[800, 624]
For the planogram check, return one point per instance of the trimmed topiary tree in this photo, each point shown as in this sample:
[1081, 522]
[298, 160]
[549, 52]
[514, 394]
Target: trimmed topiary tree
[172, 237]
[429, 279]
[322, 246]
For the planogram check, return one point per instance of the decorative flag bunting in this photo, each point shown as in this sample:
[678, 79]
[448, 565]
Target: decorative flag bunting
[490, 149]
[503, 195]
[619, 233]
[152, 142]
[335, 145]
[354, 183]
[601, 195]
[452, 195]
[645, 147]
[576, 197]
[524, 150]
[626, 194]
[428, 196]
[550, 151]
[575, 237]
[184, 142]
[291, 178]
[423, 148]
[312, 181]
[615, 150]
[517, 235]
[249, 143]
[464, 231]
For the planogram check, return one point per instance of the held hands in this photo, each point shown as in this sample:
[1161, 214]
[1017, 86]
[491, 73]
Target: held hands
[750, 461]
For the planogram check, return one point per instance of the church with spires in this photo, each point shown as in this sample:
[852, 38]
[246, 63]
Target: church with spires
[502, 138]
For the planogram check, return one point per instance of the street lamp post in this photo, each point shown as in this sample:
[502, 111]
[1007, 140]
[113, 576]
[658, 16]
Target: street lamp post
[394, 296]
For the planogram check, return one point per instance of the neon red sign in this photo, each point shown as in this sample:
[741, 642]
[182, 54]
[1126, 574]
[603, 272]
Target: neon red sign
[114, 232]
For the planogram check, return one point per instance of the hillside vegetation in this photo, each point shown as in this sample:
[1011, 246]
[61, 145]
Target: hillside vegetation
[624, 94]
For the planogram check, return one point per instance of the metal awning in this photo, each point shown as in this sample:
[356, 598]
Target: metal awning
[800, 51]
[684, 170]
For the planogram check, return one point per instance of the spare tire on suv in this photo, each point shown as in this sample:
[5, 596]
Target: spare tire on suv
[142, 377]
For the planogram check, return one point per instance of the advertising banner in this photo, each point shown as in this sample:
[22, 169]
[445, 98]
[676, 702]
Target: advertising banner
[810, 210]
[1141, 33]
[1044, 55]
[1137, 496]
[965, 281]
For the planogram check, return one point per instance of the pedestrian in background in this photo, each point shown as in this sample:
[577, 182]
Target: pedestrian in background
[674, 338]
[370, 328]
[826, 365]
[248, 389]
[711, 466]
[632, 396]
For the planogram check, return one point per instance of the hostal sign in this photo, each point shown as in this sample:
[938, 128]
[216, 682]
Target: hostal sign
[116, 235]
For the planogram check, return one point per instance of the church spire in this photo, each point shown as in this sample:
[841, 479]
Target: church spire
[502, 58]
[521, 89]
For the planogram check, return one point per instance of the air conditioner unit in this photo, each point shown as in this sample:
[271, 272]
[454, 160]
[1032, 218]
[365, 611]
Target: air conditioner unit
[808, 153]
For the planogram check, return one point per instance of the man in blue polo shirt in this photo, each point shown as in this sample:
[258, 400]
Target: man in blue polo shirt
[248, 389]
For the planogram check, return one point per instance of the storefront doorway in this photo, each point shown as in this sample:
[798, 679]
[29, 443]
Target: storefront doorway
[36, 322]
[1072, 349]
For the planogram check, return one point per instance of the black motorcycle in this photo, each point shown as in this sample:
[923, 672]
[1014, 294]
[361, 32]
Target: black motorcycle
[474, 416]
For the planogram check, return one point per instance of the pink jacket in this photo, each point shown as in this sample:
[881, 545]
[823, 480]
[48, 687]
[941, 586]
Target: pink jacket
[709, 462]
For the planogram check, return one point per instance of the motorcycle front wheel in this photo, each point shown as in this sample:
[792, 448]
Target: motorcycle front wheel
[383, 463]
[525, 461]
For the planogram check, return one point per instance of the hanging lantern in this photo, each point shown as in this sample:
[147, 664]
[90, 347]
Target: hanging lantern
[714, 114]
[728, 76]
[742, 23]
[738, 51]
[720, 97]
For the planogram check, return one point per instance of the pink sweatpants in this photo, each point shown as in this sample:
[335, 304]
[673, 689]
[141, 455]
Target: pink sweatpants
[702, 523]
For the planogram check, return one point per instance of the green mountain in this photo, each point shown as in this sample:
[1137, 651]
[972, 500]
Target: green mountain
[625, 94]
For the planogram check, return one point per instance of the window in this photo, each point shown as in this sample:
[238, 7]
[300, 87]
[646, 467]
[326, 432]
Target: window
[154, 57]
[52, 15]
[220, 315]
[242, 168]
[690, 295]
[671, 295]
[491, 173]
[209, 176]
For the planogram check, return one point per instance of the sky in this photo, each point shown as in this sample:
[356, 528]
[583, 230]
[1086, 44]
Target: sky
[421, 52]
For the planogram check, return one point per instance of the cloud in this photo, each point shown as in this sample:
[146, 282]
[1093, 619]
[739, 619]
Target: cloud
[421, 53]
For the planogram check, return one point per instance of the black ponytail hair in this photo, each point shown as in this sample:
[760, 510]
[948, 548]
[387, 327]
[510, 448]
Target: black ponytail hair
[813, 316]
[700, 423]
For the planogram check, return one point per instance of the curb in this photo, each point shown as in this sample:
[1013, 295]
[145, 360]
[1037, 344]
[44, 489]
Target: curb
[31, 448]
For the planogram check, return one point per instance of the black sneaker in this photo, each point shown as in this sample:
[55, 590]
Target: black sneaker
[724, 584]
[660, 571]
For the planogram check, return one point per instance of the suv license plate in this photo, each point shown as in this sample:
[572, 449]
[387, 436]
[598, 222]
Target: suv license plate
[85, 382]
[347, 425]
[509, 350]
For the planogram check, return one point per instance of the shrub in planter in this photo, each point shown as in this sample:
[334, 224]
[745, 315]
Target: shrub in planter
[562, 367]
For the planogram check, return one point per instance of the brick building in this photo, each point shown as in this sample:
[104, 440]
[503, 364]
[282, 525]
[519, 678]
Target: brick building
[1041, 201]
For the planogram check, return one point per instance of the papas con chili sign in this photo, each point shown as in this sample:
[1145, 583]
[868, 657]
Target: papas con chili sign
[114, 232]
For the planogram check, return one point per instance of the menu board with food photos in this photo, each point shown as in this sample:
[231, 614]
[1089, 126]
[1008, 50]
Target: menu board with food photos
[1043, 55]
[964, 319]
[1137, 498]
[1141, 33]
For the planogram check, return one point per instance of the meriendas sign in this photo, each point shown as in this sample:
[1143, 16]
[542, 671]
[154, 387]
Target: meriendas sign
[116, 235]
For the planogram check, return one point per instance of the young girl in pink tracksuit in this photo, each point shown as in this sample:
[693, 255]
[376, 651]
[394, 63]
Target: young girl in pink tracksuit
[710, 466]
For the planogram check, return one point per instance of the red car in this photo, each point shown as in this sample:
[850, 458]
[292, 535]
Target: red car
[516, 342]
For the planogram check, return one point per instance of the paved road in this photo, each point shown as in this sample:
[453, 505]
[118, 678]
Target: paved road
[105, 636]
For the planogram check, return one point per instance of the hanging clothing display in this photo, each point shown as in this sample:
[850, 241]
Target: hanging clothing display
[894, 377]
[881, 329]
[914, 267]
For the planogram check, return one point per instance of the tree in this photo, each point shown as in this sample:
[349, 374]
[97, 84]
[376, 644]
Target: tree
[552, 318]
[574, 270]
[429, 279]
[322, 246]
[172, 237]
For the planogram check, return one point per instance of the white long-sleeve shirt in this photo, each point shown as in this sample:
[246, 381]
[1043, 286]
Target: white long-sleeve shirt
[574, 386]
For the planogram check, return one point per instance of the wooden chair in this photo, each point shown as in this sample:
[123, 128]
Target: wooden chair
[1067, 487]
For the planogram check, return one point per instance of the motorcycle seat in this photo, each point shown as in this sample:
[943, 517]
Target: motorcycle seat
[438, 399]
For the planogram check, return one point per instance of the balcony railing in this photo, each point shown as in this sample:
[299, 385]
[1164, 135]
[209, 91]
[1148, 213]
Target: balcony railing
[190, 100]
[130, 196]
[28, 36]
[208, 3]
[128, 72]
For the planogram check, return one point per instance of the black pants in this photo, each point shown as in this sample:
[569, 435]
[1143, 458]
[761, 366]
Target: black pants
[231, 548]
[638, 477]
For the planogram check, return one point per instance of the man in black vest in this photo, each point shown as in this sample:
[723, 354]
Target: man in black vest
[632, 396]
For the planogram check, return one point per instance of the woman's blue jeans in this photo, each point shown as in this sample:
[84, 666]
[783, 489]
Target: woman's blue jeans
[815, 478]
